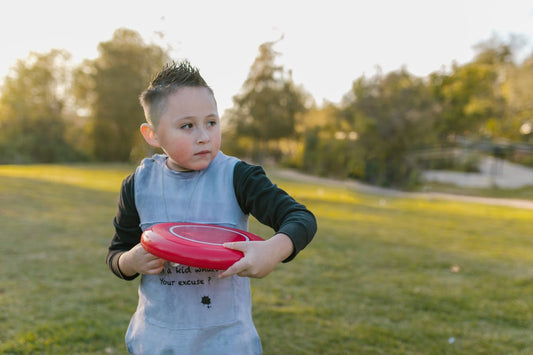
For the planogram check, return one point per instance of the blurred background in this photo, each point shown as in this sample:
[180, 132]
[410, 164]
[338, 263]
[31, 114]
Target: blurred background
[378, 92]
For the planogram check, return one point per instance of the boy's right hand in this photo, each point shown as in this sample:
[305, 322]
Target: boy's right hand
[139, 261]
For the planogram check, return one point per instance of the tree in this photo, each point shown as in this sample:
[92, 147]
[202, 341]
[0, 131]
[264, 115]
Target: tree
[392, 115]
[471, 98]
[32, 125]
[518, 93]
[320, 153]
[267, 109]
[109, 86]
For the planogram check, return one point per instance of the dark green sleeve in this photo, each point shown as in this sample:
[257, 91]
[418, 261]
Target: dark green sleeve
[272, 206]
[127, 227]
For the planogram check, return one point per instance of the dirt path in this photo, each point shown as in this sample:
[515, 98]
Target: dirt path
[294, 175]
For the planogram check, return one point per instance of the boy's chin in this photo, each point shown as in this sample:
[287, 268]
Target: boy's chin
[195, 166]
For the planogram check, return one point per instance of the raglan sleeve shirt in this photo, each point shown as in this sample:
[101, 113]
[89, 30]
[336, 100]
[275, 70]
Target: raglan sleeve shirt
[256, 195]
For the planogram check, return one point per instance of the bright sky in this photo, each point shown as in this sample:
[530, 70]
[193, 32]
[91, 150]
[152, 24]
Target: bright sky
[327, 44]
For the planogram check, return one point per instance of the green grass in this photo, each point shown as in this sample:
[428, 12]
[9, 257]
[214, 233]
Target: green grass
[383, 275]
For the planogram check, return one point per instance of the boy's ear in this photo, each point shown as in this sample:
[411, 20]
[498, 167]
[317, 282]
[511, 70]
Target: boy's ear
[149, 135]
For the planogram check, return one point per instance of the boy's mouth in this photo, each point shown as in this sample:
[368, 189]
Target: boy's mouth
[203, 152]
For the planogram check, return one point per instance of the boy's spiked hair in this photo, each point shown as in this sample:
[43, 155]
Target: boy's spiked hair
[172, 77]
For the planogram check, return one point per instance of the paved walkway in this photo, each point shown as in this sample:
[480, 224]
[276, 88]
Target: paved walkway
[516, 176]
[493, 173]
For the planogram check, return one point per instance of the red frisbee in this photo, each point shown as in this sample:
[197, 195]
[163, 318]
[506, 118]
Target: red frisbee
[193, 244]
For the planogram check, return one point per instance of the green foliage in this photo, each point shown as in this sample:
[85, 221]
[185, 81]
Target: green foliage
[330, 157]
[468, 99]
[517, 90]
[32, 110]
[452, 159]
[395, 116]
[381, 120]
[109, 87]
[269, 104]
[49, 113]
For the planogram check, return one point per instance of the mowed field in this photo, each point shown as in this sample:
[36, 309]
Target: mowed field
[384, 275]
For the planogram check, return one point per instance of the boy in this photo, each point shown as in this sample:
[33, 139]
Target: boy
[183, 309]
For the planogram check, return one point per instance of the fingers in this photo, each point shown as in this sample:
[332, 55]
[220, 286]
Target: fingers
[239, 267]
[240, 246]
[251, 265]
[154, 266]
[147, 263]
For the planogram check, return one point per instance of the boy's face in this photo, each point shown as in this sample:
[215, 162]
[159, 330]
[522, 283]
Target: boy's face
[189, 129]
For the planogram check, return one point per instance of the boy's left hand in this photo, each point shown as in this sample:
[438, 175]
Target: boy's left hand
[260, 257]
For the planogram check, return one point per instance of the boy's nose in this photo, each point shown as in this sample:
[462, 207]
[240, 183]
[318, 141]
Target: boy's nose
[203, 135]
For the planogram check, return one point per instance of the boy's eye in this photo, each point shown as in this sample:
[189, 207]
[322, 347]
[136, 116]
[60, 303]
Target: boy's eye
[186, 126]
[212, 123]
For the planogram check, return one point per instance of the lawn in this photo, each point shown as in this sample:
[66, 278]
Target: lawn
[384, 275]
